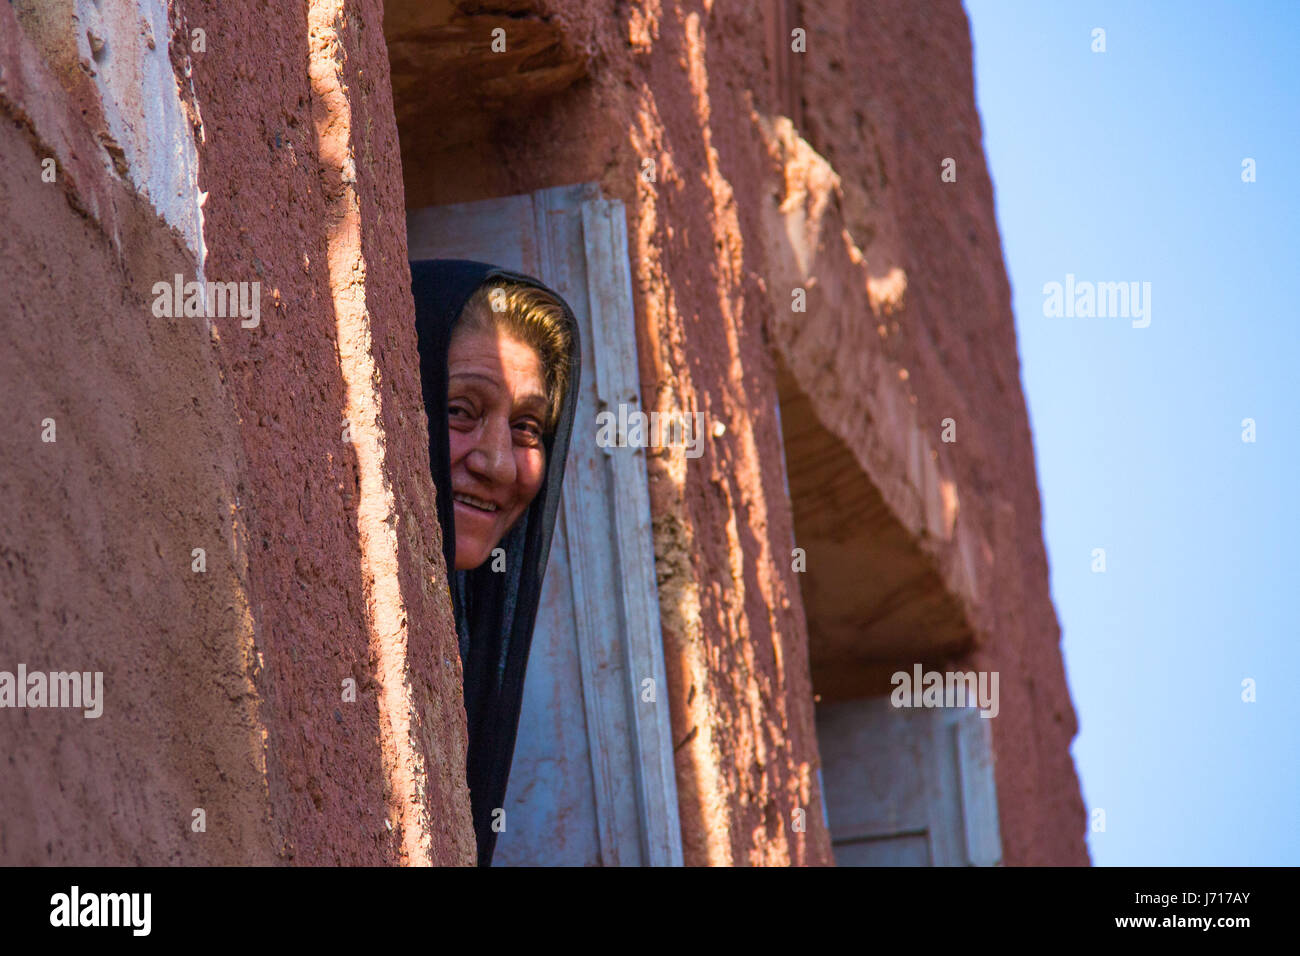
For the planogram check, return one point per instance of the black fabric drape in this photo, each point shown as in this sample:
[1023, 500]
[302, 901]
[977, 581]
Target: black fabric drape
[495, 611]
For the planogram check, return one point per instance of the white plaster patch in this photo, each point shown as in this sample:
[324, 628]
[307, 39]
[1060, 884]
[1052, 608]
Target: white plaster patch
[126, 44]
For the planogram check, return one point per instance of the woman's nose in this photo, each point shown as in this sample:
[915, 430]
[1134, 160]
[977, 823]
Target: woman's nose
[493, 457]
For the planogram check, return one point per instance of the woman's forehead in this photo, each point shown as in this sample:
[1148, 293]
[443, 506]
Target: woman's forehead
[494, 358]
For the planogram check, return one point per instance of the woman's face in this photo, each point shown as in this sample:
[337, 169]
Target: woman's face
[496, 407]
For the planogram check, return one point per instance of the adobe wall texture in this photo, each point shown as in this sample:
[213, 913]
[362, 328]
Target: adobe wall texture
[223, 689]
[920, 260]
[908, 323]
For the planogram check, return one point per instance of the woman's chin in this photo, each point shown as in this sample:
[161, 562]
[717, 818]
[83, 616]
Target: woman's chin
[476, 557]
[474, 531]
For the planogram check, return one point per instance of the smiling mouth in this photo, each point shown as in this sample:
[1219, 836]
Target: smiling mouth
[479, 504]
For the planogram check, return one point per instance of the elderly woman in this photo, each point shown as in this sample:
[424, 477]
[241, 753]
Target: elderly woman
[499, 363]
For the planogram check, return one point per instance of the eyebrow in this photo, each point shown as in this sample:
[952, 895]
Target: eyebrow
[532, 398]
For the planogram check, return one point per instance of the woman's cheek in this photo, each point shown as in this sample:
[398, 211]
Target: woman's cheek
[532, 472]
[457, 442]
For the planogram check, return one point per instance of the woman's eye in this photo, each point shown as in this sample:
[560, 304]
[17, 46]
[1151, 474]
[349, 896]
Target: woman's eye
[530, 429]
[461, 412]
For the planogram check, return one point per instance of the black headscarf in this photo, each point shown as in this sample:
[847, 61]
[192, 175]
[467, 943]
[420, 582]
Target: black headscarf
[495, 611]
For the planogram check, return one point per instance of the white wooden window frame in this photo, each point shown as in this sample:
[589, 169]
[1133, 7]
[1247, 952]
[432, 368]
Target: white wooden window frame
[575, 241]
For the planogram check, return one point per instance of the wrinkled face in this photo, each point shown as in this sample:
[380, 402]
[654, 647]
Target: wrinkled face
[496, 407]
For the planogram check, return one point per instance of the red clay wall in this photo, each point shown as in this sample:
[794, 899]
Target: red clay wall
[887, 102]
[224, 689]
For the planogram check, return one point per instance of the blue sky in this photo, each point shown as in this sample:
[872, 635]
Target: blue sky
[1127, 166]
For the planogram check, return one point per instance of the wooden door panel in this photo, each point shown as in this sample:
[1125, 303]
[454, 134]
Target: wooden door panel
[908, 787]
